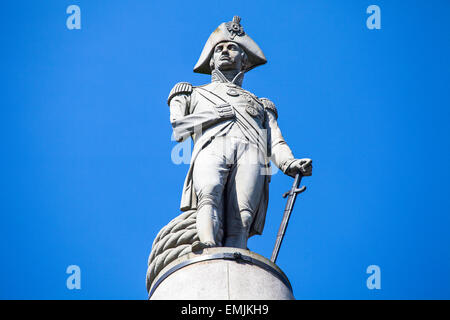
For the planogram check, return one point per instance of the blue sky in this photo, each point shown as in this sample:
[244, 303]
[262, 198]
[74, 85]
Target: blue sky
[86, 173]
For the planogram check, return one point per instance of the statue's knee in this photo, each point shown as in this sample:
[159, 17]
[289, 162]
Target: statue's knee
[209, 195]
[246, 218]
[208, 201]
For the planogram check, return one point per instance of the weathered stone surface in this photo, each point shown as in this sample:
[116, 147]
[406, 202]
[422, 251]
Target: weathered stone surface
[226, 191]
[236, 135]
[222, 279]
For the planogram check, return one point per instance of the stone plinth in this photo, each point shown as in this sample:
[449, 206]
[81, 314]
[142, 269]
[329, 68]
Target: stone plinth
[221, 273]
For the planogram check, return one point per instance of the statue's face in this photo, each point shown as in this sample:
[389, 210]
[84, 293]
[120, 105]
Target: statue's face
[228, 56]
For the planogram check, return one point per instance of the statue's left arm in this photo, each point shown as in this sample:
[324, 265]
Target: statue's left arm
[280, 153]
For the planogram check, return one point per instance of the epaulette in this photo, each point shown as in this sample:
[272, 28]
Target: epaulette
[269, 105]
[180, 87]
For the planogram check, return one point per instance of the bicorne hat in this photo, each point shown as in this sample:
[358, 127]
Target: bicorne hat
[230, 31]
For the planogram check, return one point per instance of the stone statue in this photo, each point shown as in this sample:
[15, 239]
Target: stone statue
[235, 136]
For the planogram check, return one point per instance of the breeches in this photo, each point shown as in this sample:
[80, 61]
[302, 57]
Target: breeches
[228, 175]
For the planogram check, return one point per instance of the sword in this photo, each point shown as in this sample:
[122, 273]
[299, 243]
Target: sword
[292, 195]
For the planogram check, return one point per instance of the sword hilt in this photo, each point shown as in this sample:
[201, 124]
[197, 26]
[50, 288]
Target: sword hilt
[297, 191]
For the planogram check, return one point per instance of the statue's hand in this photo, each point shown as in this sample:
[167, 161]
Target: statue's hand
[304, 166]
[225, 110]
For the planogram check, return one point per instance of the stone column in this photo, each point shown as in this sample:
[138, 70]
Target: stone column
[221, 274]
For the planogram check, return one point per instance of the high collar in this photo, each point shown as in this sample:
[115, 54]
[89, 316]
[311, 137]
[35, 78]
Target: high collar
[217, 76]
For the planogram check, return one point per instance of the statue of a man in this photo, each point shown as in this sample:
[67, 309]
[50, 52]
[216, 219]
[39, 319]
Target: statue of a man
[235, 135]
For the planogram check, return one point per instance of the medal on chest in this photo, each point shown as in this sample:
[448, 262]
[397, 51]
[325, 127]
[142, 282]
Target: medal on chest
[232, 92]
[250, 107]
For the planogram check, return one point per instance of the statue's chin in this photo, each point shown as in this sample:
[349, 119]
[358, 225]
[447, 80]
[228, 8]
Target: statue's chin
[226, 66]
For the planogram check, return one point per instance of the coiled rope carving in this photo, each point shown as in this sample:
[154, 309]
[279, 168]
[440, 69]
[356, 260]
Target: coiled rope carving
[173, 241]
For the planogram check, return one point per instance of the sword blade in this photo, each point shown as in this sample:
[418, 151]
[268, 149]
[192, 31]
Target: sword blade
[286, 215]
